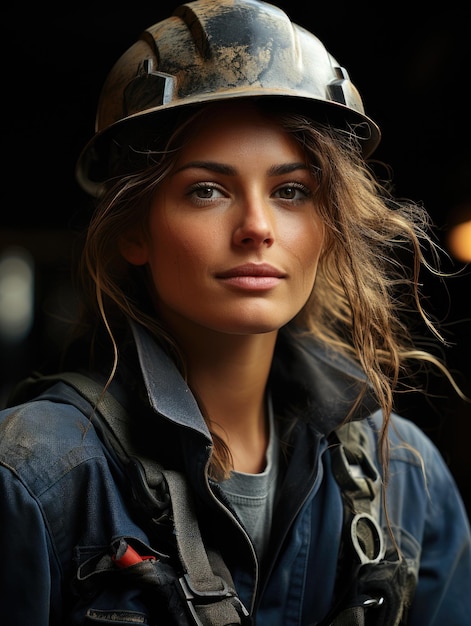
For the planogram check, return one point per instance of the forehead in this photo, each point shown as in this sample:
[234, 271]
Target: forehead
[235, 129]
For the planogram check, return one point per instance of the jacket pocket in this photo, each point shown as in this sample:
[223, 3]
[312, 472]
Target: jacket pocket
[126, 583]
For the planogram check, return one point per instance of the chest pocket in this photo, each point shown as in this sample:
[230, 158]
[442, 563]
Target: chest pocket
[126, 583]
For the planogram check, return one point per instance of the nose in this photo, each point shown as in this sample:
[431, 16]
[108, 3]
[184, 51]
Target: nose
[255, 226]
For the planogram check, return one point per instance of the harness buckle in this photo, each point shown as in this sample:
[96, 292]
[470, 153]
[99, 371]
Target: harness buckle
[355, 473]
[194, 596]
[367, 538]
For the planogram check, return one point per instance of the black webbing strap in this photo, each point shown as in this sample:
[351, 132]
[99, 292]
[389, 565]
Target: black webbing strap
[360, 485]
[379, 588]
[211, 598]
[207, 584]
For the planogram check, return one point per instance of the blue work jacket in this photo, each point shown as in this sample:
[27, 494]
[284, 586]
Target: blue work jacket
[65, 498]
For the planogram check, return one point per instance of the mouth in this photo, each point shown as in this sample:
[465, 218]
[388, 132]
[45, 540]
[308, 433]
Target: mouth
[252, 276]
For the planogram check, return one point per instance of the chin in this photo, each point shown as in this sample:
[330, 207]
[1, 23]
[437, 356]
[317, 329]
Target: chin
[252, 327]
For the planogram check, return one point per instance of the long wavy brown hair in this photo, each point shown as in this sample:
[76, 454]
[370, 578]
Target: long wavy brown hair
[368, 277]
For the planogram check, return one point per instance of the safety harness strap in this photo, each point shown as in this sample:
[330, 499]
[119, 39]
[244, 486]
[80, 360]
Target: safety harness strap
[378, 588]
[360, 486]
[207, 585]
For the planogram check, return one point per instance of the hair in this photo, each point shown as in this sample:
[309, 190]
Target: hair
[368, 278]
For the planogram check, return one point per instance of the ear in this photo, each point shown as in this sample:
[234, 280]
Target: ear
[133, 248]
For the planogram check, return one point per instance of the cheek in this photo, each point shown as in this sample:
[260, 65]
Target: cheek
[307, 245]
[176, 253]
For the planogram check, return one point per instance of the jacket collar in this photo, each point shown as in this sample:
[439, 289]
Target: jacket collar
[314, 381]
[167, 391]
[321, 383]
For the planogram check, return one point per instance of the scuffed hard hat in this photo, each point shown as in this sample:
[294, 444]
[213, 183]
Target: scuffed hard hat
[215, 50]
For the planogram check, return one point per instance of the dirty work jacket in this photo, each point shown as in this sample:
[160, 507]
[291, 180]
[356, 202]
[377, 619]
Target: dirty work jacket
[64, 499]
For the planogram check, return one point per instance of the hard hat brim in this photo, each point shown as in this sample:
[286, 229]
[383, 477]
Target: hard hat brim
[93, 165]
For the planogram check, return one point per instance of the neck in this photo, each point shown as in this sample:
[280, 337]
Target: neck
[229, 376]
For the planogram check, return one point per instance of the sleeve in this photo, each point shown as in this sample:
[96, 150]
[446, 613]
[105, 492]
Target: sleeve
[25, 572]
[443, 594]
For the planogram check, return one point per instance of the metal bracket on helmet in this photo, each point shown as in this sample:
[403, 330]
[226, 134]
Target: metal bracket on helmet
[149, 89]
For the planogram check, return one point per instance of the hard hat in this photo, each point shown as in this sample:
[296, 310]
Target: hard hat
[215, 50]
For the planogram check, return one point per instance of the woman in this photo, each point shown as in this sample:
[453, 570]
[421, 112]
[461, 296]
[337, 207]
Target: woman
[243, 298]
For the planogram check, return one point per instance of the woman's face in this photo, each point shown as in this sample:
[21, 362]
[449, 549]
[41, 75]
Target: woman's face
[234, 237]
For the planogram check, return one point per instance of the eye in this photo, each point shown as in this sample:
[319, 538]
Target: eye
[293, 191]
[205, 191]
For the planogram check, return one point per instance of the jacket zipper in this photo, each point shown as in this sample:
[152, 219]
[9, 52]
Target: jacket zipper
[227, 511]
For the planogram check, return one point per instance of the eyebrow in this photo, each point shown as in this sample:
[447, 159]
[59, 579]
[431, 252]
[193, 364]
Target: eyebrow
[221, 168]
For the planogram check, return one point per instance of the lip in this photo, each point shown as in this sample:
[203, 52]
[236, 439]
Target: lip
[252, 269]
[252, 276]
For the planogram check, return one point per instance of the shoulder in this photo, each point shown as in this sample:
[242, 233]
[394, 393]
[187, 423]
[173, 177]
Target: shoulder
[410, 445]
[421, 489]
[415, 462]
[48, 436]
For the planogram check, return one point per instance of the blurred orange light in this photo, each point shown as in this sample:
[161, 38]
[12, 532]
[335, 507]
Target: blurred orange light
[459, 241]
[458, 238]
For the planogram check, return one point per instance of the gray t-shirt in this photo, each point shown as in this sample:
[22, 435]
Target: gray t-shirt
[252, 495]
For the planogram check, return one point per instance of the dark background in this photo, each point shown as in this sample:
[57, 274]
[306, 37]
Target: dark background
[412, 67]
